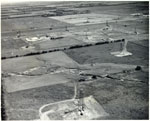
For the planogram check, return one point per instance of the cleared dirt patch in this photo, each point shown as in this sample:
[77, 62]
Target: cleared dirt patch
[86, 19]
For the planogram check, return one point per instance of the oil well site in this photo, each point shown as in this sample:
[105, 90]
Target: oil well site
[75, 60]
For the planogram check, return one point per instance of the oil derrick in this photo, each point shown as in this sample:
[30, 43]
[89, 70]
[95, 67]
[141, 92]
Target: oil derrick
[123, 51]
[92, 64]
[18, 34]
[107, 24]
[46, 35]
[79, 96]
[66, 28]
[135, 31]
[81, 102]
[51, 27]
[87, 20]
[78, 107]
[86, 34]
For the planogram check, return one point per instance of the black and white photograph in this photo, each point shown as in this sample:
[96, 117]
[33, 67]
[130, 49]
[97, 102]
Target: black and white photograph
[74, 60]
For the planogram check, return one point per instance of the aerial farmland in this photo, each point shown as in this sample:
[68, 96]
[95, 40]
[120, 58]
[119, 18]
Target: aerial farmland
[75, 60]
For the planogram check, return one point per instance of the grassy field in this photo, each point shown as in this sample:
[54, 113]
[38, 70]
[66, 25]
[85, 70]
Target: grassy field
[29, 82]
[19, 65]
[30, 23]
[101, 54]
[132, 30]
[117, 84]
[121, 99]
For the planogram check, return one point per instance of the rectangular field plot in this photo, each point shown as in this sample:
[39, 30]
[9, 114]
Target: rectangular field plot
[83, 19]
[12, 43]
[19, 83]
[22, 64]
[36, 71]
[92, 18]
[30, 23]
[58, 58]
[97, 34]
[102, 54]
[58, 43]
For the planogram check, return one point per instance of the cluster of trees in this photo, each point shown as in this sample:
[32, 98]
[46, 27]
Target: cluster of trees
[60, 49]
